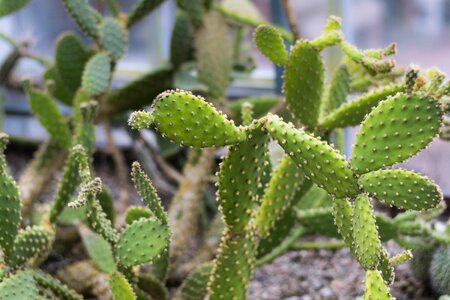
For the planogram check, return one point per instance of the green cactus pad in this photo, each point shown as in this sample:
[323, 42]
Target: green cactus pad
[343, 211]
[397, 129]
[247, 113]
[48, 114]
[371, 59]
[195, 286]
[85, 128]
[84, 15]
[97, 74]
[279, 195]
[56, 286]
[318, 221]
[365, 233]
[99, 221]
[270, 43]
[8, 7]
[152, 286]
[120, 287]
[181, 42]
[113, 37]
[439, 270]
[141, 241]
[195, 9]
[243, 163]
[233, 266]
[401, 188]
[385, 267]
[140, 91]
[336, 94]
[214, 51]
[190, 120]
[69, 181]
[98, 249]
[134, 213]
[320, 162]
[31, 243]
[375, 288]
[10, 217]
[141, 9]
[303, 83]
[352, 113]
[147, 192]
[20, 286]
[60, 91]
[261, 106]
[70, 58]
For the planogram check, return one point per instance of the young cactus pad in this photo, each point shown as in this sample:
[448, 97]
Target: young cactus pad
[270, 43]
[401, 188]
[320, 162]
[190, 120]
[375, 288]
[141, 241]
[397, 129]
[303, 83]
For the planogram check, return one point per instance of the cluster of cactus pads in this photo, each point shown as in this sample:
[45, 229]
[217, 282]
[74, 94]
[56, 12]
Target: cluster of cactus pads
[264, 206]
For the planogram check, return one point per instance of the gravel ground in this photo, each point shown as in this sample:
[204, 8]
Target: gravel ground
[324, 274]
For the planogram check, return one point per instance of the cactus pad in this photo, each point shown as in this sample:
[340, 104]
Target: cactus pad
[134, 213]
[56, 286]
[401, 188]
[375, 288]
[147, 192]
[190, 120]
[141, 9]
[8, 7]
[98, 249]
[70, 58]
[48, 114]
[233, 266]
[84, 15]
[336, 93]
[195, 286]
[30, 243]
[10, 217]
[214, 51]
[303, 83]
[141, 241]
[320, 162]
[97, 73]
[342, 211]
[270, 43]
[279, 195]
[19, 286]
[113, 37]
[439, 270]
[120, 287]
[352, 113]
[318, 221]
[181, 40]
[365, 233]
[397, 129]
[245, 163]
[385, 267]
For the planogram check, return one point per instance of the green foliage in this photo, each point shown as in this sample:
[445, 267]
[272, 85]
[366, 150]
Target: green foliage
[48, 114]
[141, 241]
[19, 286]
[403, 189]
[113, 37]
[375, 288]
[365, 233]
[304, 83]
[97, 74]
[120, 287]
[141, 9]
[84, 15]
[8, 7]
[98, 249]
[270, 43]
[47, 281]
[397, 129]
[70, 58]
[181, 42]
[195, 286]
[439, 269]
[10, 217]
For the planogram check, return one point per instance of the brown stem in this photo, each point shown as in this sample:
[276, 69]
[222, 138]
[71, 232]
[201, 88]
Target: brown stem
[291, 18]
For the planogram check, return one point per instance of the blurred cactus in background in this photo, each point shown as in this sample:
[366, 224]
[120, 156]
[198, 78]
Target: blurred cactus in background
[264, 207]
